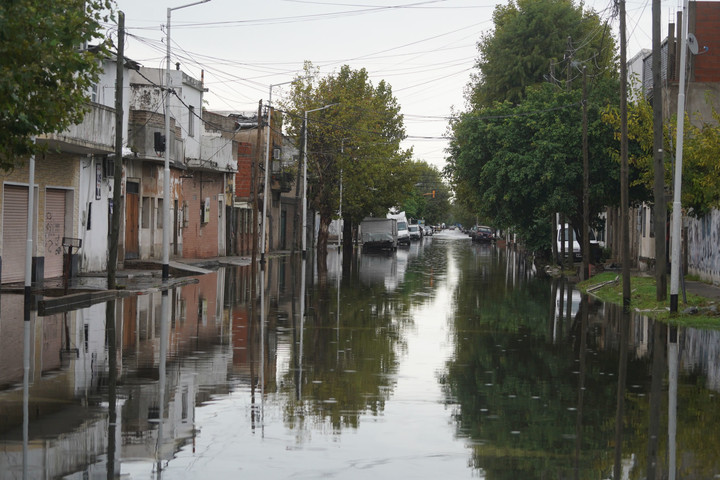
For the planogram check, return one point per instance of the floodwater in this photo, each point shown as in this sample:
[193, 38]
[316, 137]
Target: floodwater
[446, 359]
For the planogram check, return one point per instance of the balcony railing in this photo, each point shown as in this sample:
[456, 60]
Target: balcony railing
[94, 135]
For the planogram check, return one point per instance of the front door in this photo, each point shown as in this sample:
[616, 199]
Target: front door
[132, 215]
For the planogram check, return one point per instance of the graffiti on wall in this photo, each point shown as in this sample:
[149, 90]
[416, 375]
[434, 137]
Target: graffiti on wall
[703, 242]
[53, 235]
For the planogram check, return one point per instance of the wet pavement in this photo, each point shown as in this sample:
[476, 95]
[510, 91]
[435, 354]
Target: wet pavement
[446, 359]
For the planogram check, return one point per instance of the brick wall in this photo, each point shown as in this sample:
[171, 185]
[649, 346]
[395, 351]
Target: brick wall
[707, 26]
[244, 173]
[200, 239]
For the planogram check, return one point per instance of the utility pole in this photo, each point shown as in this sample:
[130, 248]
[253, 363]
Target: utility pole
[625, 246]
[254, 187]
[624, 189]
[586, 184]
[114, 233]
[565, 231]
[660, 210]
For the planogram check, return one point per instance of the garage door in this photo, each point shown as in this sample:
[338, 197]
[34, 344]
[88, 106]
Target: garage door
[54, 232]
[15, 201]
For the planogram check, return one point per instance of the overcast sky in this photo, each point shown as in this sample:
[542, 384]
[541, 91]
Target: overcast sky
[425, 49]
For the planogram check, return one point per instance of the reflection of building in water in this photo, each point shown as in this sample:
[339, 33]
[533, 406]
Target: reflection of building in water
[197, 357]
[700, 351]
[68, 375]
[67, 423]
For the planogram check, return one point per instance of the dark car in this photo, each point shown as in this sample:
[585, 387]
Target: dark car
[483, 234]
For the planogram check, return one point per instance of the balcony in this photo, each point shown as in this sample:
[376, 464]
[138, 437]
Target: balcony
[94, 135]
[216, 155]
[142, 139]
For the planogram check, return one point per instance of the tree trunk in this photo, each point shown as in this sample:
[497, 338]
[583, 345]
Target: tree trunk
[347, 235]
[323, 232]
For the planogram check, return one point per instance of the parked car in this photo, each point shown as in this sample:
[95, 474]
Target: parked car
[415, 233]
[402, 226]
[483, 234]
[429, 231]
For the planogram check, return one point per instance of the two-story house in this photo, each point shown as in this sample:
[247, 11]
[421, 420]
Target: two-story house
[72, 186]
[202, 163]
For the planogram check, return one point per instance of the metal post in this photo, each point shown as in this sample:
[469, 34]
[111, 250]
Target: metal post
[166, 172]
[304, 197]
[267, 171]
[31, 221]
[304, 226]
[676, 231]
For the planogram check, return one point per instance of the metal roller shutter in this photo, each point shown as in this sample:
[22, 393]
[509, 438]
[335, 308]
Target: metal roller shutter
[14, 233]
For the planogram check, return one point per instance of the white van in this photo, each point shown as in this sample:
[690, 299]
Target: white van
[403, 235]
[572, 243]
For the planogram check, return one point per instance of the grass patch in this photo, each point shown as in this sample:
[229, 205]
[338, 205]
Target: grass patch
[643, 300]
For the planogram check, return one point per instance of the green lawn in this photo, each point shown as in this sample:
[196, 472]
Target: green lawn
[643, 299]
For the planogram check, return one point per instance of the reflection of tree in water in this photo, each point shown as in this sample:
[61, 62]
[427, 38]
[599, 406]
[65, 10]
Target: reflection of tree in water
[347, 371]
[515, 391]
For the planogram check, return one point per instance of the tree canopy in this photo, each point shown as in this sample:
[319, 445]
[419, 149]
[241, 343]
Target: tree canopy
[46, 69]
[533, 42]
[701, 151]
[517, 165]
[356, 140]
[429, 199]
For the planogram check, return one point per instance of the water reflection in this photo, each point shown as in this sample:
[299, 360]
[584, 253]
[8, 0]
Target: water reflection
[446, 360]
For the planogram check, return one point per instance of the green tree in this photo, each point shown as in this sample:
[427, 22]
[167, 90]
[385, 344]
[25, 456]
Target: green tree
[46, 69]
[521, 163]
[533, 41]
[701, 151]
[357, 139]
[701, 166]
[429, 199]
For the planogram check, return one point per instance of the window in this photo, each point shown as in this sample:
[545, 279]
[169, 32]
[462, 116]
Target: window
[652, 222]
[191, 121]
[160, 213]
[643, 220]
[145, 220]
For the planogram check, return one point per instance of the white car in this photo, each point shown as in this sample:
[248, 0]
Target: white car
[415, 233]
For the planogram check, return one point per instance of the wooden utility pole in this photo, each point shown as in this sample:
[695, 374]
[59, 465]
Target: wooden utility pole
[564, 232]
[114, 233]
[254, 187]
[586, 184]
[625, 246]
[624, 168]
[660, 210]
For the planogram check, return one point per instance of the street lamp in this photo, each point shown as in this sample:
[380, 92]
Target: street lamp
[304, 222]
[267, 171]
[340, 219]
[166, 177]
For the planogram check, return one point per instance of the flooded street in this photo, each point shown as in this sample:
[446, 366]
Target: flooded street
[447, 359]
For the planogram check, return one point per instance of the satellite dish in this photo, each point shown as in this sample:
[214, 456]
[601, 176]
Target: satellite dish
[692, 43]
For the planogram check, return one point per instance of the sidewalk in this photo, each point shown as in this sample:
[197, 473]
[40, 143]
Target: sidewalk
[54, 296]
[711, 292]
